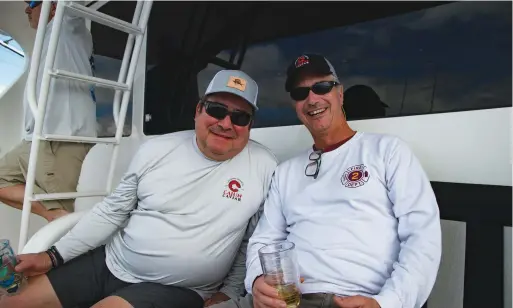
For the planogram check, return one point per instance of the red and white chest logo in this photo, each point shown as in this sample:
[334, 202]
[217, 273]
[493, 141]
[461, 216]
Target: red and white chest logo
[233, 189]
[355, 176]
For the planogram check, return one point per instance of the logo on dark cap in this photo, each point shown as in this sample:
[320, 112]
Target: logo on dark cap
[301, 61]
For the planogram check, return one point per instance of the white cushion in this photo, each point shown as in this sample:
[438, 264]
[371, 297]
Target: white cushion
[93, 177]
[95, 170]
[51, 233]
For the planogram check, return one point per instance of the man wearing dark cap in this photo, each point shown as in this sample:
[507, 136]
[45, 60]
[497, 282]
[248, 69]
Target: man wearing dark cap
[176, 226]
[358, 207]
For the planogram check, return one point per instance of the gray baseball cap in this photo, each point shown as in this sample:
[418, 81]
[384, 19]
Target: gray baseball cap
[235, 82]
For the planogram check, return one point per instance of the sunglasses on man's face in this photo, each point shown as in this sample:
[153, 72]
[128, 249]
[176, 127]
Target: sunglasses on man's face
[33, 4]
[319, 88]
[220, 111]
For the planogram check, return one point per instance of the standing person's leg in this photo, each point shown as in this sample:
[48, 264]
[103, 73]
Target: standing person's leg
[58, 170]
[12, 180]
[61, 168]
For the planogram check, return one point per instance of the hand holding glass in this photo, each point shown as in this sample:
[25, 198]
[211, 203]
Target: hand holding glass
[280, 268]
[10, 281]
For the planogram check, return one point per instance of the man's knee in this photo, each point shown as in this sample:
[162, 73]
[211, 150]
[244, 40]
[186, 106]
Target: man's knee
[147, 295]
[10, 179]
[66, 205]
[61, 165]
[11, 171]
[37, 293]
[113, 301]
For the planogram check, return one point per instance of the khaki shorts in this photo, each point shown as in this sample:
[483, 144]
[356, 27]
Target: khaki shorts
[58, 169]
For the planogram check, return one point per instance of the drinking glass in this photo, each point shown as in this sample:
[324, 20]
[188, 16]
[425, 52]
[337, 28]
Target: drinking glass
[280, 267]
[10, 281]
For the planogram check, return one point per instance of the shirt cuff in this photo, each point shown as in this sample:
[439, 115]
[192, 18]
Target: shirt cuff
[388, 299]
[252, 274]
[63, 252]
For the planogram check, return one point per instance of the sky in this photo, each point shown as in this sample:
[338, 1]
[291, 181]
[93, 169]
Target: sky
[11, 64]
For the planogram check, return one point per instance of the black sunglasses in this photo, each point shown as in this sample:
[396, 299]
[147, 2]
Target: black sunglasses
[319, 88]
[220, 111]
[312, 169]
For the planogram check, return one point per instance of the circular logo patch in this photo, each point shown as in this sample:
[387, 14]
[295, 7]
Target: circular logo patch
[355, 176]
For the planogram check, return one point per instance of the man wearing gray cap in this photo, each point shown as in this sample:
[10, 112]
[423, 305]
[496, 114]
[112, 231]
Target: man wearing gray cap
[175, 224]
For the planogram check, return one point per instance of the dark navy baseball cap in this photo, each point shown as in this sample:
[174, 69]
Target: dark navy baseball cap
[311, 63]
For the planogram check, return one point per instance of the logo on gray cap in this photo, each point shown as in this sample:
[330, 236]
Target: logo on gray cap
[235, 82]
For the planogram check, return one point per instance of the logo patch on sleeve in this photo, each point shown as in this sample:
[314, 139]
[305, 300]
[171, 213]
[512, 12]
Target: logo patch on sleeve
[355, 176]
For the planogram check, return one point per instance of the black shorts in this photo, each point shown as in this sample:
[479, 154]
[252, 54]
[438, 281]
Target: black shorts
[86, 280]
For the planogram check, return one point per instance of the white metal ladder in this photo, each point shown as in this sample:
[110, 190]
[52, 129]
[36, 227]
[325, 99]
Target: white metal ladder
[123, 88]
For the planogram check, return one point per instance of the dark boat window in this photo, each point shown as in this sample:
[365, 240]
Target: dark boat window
[452, 57]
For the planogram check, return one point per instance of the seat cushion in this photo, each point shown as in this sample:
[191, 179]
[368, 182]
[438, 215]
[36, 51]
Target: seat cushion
[95, 169]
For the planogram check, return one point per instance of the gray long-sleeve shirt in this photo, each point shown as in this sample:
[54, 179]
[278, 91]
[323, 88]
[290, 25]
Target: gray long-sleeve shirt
[176, 217]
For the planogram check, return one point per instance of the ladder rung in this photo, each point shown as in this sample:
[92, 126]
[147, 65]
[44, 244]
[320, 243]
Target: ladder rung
[102, 18]
[79, 139]
[100, 82]
[68, 195]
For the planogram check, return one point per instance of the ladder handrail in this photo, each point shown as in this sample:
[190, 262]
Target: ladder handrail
[143, 22]
[36, 56]
[39, 118]
[38, 107]
[124, 64]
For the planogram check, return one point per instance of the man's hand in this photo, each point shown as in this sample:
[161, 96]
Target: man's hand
[265, 296]
[33, 264]
[217, 298]
[356, 302]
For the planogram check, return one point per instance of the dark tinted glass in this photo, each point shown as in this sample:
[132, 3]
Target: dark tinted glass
[452, 57]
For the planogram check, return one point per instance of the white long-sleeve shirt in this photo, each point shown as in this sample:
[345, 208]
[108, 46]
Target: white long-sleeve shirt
[178, 218]
[70, 109]
[368, 225]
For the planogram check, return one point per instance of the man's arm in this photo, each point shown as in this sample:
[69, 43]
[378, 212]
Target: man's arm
[270, 228]
[233, 284]
[419, 231]
[106, 217]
